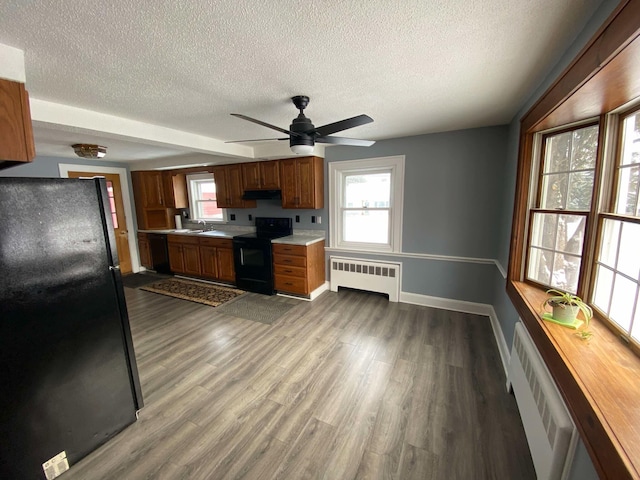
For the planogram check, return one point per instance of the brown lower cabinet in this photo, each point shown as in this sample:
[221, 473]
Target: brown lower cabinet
[184, 254]
[210, 258]
[145, 250]
[298, 268]
[216, 257]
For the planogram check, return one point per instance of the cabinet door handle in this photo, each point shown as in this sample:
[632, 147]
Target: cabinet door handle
[287, 261]
[288, 271]
[288, 283]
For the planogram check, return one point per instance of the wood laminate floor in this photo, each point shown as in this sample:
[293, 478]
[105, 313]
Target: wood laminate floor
[349, 386]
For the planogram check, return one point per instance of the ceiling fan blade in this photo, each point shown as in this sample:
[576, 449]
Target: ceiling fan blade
[355, 142]
[343, 125]
[268, 125]
[255, 140]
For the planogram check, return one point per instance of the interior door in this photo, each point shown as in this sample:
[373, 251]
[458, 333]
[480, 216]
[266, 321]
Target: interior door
[114, 190]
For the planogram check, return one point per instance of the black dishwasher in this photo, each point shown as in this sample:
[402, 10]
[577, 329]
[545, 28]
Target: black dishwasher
[159, 252]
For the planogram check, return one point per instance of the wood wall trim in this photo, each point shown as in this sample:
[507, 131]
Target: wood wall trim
[620, 29]
[598, 380]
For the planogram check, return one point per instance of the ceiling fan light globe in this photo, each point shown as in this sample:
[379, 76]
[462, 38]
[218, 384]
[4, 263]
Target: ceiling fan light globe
[302, 149]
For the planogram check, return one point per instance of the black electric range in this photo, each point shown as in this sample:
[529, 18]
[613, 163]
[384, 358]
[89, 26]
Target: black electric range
[253, 256]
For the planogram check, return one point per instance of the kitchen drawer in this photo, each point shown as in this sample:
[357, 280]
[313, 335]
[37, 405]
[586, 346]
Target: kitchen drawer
[291, 284]
[191, 240]
[292, 271]
[216, 242]
[285, 249]
[289, 260]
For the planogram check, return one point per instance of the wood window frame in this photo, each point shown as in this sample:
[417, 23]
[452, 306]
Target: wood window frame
[599, 379]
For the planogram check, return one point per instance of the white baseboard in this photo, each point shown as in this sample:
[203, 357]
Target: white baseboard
[503, 348]
[320, 290]
[312, 296]
[466, 307]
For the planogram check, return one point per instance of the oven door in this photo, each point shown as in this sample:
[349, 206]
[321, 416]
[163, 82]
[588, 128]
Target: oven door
[253, 262]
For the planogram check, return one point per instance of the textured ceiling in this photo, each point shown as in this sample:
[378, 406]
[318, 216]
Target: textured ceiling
[414, 66]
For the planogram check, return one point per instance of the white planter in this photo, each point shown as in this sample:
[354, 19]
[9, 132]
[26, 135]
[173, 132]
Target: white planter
[565, 313]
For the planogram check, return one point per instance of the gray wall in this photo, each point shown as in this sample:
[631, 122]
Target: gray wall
[452, 191]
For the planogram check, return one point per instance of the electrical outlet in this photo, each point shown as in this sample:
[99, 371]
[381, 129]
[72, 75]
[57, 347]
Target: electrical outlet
[313, 219]
[319, 219]
[297, 218]
[232, 217]
[250, 217]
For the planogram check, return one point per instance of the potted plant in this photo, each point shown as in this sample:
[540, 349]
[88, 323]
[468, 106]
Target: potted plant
[565, 307]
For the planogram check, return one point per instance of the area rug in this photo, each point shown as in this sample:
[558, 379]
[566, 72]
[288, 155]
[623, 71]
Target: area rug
[259, 308]
[200, 292]
[138, 280]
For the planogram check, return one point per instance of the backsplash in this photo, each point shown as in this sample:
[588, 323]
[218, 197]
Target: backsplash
[240, 229]
[225, 227]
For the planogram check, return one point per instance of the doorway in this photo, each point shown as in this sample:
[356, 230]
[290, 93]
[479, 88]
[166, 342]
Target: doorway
[125, 234]
[114, 190]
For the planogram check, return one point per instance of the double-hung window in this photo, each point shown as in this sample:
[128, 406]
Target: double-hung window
[559, 218]
[617, 266]
[366, 204]
[202, 198]
[563, 217]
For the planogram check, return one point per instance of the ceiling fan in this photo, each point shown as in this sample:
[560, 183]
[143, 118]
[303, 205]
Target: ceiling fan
[303, 134]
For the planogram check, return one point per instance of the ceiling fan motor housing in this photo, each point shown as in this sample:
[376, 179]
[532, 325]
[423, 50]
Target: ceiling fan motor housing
[305, 130]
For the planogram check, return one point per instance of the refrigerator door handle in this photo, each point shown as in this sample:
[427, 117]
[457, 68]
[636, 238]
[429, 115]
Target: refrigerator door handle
[114, 267]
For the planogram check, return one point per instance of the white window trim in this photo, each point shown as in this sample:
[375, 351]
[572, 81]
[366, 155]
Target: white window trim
[337, 172]
[192, 203]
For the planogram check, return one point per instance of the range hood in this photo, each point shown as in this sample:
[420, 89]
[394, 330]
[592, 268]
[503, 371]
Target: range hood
[261, 194]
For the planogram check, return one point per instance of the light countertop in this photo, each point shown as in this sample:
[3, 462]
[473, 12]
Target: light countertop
[297, 239]
[208, 233]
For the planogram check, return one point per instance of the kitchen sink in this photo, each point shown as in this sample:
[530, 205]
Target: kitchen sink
[215, 233]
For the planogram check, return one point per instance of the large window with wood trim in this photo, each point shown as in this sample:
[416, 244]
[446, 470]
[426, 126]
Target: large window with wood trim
[593, 250]
[584, 234]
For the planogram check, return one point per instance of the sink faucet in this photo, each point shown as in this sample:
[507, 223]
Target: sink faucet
[204, 224]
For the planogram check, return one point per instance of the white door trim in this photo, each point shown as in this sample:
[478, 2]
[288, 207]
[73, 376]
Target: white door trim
[65, 168]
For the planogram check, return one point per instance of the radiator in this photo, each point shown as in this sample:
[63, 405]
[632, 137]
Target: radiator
[549, 430]
[380, 277]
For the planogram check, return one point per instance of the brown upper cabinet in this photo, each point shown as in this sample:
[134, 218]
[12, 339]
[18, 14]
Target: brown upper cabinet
[261, 175]
[229, 187]
[157, 196]
[16, 133]
[302, 182]
[175, 189]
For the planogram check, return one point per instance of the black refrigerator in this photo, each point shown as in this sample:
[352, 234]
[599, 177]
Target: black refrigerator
[68, 375]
